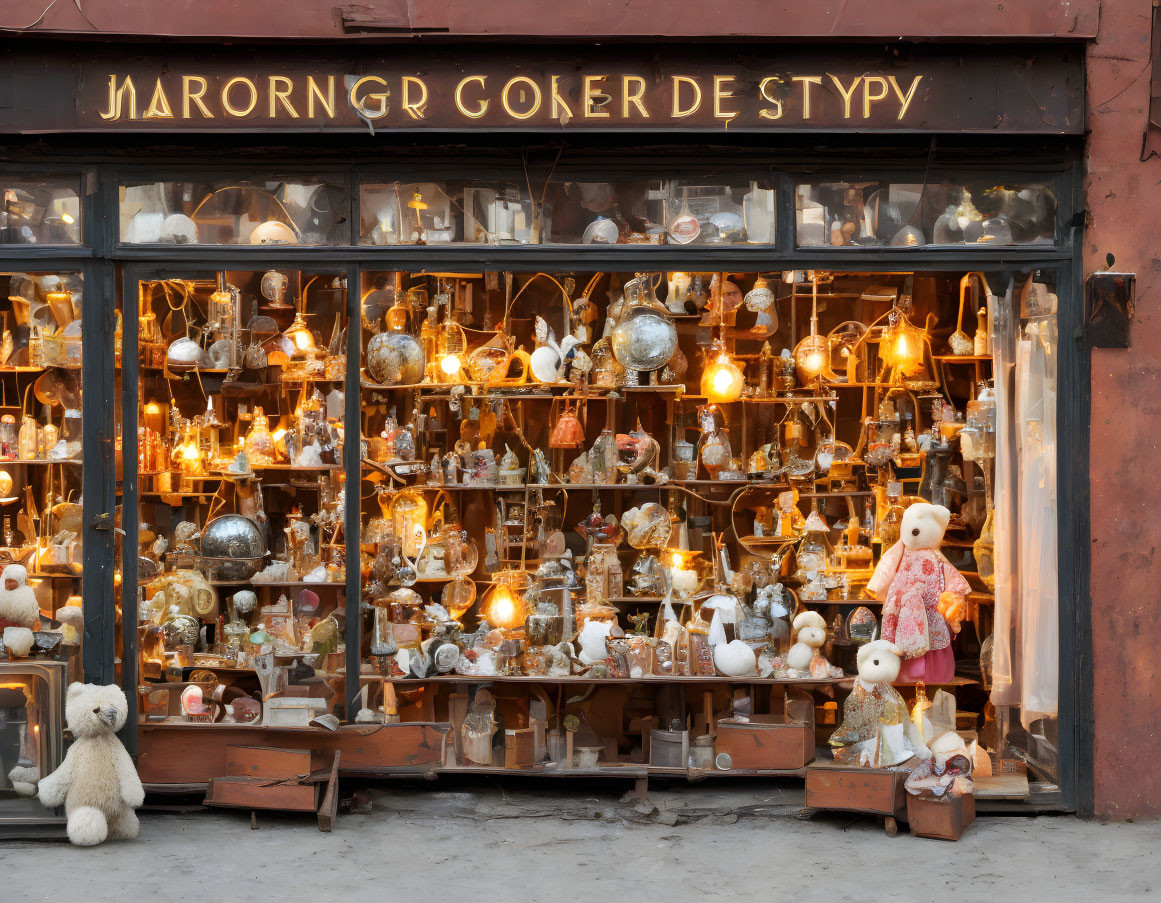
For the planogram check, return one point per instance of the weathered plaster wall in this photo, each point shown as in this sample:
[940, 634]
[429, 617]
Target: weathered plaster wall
[1124, 203]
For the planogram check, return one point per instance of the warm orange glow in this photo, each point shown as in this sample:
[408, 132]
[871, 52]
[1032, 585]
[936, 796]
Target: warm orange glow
[504, 609]
[722, 381]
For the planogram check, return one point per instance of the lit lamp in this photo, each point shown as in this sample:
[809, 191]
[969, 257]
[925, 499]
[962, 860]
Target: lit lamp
[504, 605]
[300, 335]
[812, 354]
[684, 577]
[902, 346]
[722, 380]
[417, 203]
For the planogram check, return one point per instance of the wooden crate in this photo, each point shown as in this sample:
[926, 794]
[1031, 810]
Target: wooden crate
[766, 743]
[943, 819]
[878, 791]
[520, 748]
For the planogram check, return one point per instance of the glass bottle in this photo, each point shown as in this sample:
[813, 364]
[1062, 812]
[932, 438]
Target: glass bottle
[259, 444]
[984, 551]
[28, 436]
[603, 458]
[429, 340]
[714, 446]
[892, 518]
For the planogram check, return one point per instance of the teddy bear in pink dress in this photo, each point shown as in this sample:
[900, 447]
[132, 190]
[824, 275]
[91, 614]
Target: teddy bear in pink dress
[916, 584]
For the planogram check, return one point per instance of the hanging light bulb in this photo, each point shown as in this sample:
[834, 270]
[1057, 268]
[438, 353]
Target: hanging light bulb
[504, 605]
[722, 381]
[812, 354]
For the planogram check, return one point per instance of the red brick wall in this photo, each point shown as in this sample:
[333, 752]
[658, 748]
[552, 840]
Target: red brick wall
[1122, 195]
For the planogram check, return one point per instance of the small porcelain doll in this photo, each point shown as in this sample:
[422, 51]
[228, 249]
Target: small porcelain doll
[916, 582]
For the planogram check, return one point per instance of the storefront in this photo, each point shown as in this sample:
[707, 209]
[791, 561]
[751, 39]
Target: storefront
[552, 287]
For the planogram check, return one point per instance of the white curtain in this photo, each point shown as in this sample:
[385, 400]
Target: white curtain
[1026, 638]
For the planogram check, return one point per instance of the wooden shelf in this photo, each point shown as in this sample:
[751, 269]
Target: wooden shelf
[610, 681]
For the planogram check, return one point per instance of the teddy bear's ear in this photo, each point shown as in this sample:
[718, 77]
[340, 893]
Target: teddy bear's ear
[74, 688]
[942, 516]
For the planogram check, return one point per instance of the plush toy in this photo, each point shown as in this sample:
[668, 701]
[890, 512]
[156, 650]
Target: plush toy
[97, 782]
[914, 580]
[18, 605]
[875, 727]
[804, 658]
[592, 642]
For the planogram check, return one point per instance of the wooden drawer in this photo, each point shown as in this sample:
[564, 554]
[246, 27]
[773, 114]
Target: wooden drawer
[942, 819]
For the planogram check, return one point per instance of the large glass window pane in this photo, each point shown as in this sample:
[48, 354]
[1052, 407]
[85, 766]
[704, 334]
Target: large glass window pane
[433, 213]
[301, 211]
[241, 562]
[40, 447]
[715, 210]
[631, 211]
[913, 214]
[40, 210]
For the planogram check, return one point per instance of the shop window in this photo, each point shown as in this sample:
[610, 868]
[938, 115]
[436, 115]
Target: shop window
[32, 697]
[901, 215]
[434, 213]
[239, 492]
[648, 212]
[273, 212]
[40, 211]
[711, 211]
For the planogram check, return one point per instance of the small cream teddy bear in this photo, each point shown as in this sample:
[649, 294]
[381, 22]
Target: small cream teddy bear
[97, 782]
[804, 658]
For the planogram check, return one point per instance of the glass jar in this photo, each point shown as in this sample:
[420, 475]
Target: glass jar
[259, 443]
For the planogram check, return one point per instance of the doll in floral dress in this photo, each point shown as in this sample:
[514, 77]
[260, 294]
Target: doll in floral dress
[918, 586]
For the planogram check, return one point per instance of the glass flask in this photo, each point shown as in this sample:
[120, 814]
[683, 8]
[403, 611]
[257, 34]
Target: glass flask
[714, 446]
[892, 517]
[259, 444]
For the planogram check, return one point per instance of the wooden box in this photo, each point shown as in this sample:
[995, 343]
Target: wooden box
[875, 790]
[766, 743]
[943, 819]
[520, 748]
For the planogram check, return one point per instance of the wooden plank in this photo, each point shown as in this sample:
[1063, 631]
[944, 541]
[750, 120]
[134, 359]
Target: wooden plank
[330, 804]
[256, 793]
[1001, 787]
[193, 754]
[875, 790]
[266, 762]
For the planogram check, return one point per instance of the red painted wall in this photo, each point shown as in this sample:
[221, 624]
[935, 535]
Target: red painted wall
[1122, 195]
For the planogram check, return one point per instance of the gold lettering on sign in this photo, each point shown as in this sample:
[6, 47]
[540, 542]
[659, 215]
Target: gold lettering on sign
[633, 95]
[595, 99]
[117, 95]
[868, 97]
[678, 112]
[414, 108]
[228, 106]
[187, 81]
[847, 93]
[506, 97]
[379, 97]
[159, 106]
[807, 81]
[764, 90]
[720, 94]
[560, 108]
[312, 91]
[283, 95]
[904, 100]
[482, 108]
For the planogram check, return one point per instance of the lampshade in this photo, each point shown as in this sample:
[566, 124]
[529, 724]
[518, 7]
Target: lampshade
[300, 335]
[722, 380]
[902, 346]
[811, 357]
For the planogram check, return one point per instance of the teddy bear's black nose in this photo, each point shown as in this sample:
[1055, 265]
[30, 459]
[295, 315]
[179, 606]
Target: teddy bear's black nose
[915, 532]
[97, 710]
[875, 662]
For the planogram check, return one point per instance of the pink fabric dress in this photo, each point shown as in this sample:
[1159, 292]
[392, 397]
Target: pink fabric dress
[911, 618]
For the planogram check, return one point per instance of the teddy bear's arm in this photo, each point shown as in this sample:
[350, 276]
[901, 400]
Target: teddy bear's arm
[131, 790]
[885, 570]
[52, 790]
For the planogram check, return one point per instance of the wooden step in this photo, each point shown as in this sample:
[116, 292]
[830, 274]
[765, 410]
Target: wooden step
[262, 793]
